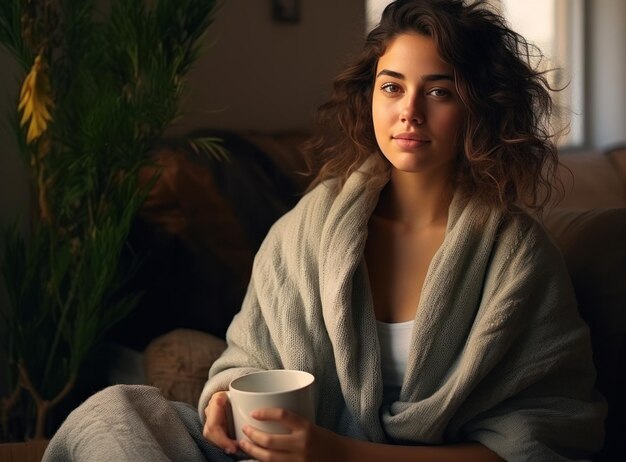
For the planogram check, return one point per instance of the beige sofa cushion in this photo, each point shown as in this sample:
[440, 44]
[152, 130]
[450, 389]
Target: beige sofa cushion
[178, 363]
[591, 180]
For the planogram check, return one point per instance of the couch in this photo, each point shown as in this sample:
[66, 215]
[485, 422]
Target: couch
[205, 218]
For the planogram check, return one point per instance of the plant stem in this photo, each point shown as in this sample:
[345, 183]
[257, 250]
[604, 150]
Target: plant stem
[65, 310]
[43, 405]
[42, 184]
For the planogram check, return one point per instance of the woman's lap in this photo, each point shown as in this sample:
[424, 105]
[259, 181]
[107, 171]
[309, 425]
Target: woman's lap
[132, 422]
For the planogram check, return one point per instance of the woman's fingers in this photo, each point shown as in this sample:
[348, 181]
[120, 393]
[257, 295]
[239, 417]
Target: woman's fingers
[273, 441]
[289, 419]
[216, 426]
[304, 441]
[297, 427]
[262, 454]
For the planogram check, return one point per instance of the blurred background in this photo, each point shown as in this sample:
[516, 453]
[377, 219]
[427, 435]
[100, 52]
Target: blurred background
[269, 63]
[265, 74]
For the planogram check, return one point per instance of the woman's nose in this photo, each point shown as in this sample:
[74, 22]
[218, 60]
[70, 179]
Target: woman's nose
[413, 111]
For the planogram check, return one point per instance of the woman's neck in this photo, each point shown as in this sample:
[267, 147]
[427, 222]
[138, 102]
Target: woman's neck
[415, 201]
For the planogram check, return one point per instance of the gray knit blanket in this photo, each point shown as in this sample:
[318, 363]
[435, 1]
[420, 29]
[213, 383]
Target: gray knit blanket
[132, 423]
[499, 353]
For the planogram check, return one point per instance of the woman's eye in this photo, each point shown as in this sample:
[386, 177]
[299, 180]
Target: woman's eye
[390, 88]
[439, 92]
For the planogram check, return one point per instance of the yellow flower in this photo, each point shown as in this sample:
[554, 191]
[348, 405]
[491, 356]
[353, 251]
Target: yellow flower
[35, 101]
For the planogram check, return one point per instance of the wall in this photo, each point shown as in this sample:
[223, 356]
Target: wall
[262, 75]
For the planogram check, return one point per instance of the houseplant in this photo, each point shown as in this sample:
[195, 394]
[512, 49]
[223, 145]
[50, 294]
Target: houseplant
[102, 82]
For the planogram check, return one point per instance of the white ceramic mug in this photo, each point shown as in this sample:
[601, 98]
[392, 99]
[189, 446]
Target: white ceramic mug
[287, 389]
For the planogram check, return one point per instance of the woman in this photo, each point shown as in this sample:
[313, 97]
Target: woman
[435, 314]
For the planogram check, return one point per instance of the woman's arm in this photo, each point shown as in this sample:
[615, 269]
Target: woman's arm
[309, 442]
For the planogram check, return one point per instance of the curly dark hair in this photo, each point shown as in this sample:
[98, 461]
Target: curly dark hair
[509, 157]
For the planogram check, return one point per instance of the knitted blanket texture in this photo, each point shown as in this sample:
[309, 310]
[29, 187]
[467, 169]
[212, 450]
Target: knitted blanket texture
[499, 353]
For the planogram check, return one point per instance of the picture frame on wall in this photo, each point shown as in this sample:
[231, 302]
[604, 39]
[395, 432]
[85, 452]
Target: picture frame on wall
[286, 10]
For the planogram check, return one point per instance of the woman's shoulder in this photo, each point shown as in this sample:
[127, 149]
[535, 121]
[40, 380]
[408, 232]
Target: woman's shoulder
[511, 227]
[301, 223]
[332, 212]
[330, 199]
[313, 205]
[522, 233]
[525, 226]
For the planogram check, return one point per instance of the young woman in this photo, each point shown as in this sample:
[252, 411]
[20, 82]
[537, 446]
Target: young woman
[435, 314]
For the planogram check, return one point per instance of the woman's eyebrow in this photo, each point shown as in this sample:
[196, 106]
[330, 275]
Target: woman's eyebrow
[394, 74]
[425, 78]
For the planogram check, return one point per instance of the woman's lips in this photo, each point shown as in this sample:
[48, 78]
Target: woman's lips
[409, 142]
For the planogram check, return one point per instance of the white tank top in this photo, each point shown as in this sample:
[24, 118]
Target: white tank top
[394, 339]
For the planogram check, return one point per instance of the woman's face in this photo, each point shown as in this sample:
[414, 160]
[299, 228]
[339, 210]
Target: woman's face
[416, 110]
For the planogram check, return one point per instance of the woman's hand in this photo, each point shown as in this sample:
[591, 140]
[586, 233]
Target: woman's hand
[304, 442]
[216, 425]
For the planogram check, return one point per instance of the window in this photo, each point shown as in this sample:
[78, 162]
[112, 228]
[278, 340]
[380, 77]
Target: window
[556, 27]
